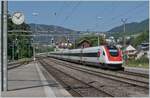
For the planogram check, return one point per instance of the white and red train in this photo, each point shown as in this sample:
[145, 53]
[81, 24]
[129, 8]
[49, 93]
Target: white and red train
[103, 56]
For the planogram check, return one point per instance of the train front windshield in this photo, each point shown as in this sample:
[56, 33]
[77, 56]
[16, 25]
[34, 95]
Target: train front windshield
[113, 50]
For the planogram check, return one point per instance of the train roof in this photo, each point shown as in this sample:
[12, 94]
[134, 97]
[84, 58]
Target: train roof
[79, 49]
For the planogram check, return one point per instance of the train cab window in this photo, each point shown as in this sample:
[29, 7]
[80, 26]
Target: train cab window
[113, 50]
[103, 53]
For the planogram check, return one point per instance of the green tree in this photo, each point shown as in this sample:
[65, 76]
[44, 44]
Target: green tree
[21, 44]
[143, 37]
[93, 40]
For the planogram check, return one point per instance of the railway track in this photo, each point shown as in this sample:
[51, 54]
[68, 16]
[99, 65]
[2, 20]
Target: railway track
[76, 87]
[134, 74]
[117, 76]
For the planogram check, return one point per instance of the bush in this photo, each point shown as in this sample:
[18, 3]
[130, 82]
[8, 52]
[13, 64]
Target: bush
[142, 62]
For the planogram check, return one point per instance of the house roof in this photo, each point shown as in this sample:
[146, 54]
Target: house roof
[130, 47]
[82, 41]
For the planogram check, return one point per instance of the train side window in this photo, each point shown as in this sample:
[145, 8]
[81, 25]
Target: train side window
[103, 53]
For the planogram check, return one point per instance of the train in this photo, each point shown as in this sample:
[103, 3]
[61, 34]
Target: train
[105, 56]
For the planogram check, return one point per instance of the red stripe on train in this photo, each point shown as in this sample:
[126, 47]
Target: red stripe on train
[113, 58]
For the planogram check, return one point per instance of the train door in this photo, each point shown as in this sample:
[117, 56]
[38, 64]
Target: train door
[101, 55]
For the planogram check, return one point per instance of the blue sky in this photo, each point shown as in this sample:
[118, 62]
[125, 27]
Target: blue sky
[80, 15]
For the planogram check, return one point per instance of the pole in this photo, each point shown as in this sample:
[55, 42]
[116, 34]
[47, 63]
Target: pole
[47, 49]
[74, 42]
[34, 14]
[34, 44]
[124, 33]
[124, 30]
[98, 41]
[20, 50]
[68, 42]
[13, 51]
[98, 18]
[124, 39]
[1, 56]
[29, 50]
[34, 51]
[4, 5]
[17, 52]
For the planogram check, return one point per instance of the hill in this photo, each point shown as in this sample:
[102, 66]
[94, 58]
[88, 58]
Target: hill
[131, 28]
[57, 32]
[50, 28]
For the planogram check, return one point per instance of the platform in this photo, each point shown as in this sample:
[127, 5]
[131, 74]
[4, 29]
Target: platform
[137, 70]
[32, 80]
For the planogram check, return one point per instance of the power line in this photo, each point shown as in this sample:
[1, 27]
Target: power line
[128, 11]
[72, 11]
[61, 9]
[102, 13]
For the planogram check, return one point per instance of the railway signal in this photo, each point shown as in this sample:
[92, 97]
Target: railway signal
[68, 40]
[52, 41]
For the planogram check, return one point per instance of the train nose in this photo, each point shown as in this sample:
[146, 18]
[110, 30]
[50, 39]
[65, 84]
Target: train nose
[113, 54]
[115, 58]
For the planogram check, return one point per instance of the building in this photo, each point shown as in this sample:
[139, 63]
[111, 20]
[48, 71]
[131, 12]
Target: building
[131, 51]
[144, 47]
[64, 45]
[84, 44]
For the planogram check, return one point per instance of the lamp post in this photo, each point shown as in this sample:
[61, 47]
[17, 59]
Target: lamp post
[13, 50]
[124, 40]
[98, 18]
[33, 45]
[124, 30]
[34, 14]
[16, 43]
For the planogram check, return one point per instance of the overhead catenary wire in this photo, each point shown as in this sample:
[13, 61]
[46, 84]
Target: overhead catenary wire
[72, 11]
[61, 9]
[101, 14]
[126, 13]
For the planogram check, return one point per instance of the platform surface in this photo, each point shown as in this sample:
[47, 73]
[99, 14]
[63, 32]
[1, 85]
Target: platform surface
[32, 80]
[137, 70]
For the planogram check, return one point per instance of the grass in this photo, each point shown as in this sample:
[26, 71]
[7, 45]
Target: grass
[141, 63]
[21, 60]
